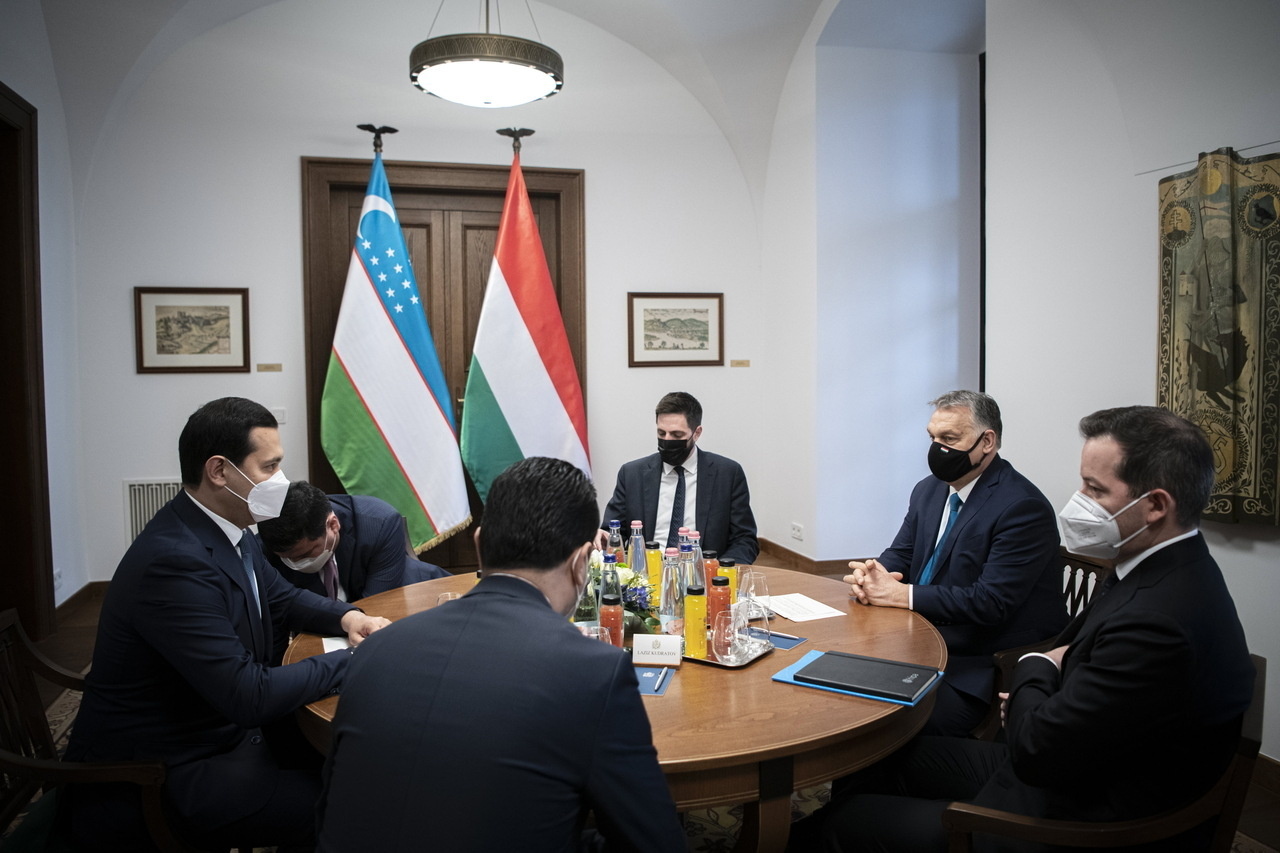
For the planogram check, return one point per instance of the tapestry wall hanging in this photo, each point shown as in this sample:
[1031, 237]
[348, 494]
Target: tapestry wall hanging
[1219, 334]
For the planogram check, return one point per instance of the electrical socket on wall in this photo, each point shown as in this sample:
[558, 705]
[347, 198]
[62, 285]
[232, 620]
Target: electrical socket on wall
[797, 531]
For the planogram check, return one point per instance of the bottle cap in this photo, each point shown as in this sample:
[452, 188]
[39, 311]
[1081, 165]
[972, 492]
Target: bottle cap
[611, 557]
[610, 599]
[637, 524]
[708, 554]
[686, 546]
[696, 590]
[727, 562]
[652, 545]
[719, 580]
[615, 523]
[672, 552]
[693, 534]
[683, 530]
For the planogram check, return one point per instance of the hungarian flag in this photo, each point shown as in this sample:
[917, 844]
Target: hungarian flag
[386, 422]
[523, 397]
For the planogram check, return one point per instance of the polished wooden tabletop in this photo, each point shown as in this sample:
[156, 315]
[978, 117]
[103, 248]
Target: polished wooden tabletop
[734, 735]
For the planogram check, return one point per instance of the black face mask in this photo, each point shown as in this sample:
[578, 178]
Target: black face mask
[949, 464]
[674, 450]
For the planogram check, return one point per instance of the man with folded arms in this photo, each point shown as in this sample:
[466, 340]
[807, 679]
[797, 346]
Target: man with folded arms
[977, 555]
[181, 668]
[1136, 710]
[490, 723]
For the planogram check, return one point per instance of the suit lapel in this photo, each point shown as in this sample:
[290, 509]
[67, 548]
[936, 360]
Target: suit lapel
[650, 483]
[978, 497]
[223, 555]
[706, 489]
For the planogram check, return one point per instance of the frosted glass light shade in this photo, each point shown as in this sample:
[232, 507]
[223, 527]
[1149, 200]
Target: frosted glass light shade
[486, 70]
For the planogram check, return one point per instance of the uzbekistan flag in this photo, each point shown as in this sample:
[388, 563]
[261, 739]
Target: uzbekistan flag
[523, 397]
[386, 423]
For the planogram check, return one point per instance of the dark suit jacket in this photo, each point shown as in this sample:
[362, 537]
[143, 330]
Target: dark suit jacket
[180, 667]
[1146, 711]
[999, 584]
[491, 724]
[373, 552]
[724, 504]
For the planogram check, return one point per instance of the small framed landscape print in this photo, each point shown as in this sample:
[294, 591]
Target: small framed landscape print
[192, 329]
[675, 329]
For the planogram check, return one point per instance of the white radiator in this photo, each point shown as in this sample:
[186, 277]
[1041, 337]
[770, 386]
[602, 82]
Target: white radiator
[143, 498]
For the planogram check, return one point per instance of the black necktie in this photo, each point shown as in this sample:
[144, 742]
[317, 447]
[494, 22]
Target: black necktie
[677, 510]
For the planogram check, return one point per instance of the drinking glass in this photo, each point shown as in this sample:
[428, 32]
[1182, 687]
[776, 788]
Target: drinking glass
[727, 643]
[447, 596]
[753, 598]
[598, 632]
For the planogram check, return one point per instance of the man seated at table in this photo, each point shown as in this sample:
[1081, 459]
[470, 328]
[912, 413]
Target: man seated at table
[977, 555]
[684, 486]
[1135, 712]
[490, 723]
[180, 665]
[343, 547]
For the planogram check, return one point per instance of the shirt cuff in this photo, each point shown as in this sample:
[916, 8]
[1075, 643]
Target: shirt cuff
[911, 596]
[1040, 655]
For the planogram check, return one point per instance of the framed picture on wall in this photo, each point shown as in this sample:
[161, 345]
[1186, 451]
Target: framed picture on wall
[675, 329]
[192, 329]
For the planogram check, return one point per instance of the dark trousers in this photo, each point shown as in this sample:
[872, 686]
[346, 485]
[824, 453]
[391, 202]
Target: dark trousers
[955, 713]
[896, 805]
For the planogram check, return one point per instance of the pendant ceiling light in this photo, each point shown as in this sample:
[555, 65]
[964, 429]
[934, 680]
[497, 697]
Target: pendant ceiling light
[486, 69]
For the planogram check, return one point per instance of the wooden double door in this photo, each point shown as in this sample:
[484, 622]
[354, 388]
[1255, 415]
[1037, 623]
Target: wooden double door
[449, 214]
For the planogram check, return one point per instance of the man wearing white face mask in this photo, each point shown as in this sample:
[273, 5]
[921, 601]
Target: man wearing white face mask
[342, 546]
[180, 667]
[1138, 708]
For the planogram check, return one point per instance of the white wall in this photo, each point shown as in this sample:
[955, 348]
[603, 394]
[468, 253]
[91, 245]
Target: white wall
[197, 183]
[26, 66]
[1071, 228]
[898, 232]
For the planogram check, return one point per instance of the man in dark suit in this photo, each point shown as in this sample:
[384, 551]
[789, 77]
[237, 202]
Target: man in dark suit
[180, 668]
[342, 546]
[986, 576]
[490, 723]
[684, 486]
[1138, 708]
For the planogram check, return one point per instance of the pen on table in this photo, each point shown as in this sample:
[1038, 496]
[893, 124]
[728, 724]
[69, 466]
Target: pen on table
[784, 636]
[662, 676]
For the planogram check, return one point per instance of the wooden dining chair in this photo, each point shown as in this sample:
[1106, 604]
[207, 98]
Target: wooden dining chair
[28, 758]
[1225, 801]
[1081, 577]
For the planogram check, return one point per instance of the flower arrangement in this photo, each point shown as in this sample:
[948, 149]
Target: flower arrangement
[638, 598]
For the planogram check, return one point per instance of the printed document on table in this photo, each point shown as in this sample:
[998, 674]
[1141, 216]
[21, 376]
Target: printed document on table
[798, 607]
[333, 644]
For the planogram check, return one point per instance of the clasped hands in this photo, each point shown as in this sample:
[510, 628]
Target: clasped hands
[871, 584]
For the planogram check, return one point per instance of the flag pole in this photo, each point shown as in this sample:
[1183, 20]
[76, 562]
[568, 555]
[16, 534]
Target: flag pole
[515, 133]
[377, 134]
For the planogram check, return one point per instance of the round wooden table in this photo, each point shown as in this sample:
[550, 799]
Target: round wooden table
[733, 735]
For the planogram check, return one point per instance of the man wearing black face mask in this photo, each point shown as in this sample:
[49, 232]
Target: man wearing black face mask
[976, 555]
[684, 486]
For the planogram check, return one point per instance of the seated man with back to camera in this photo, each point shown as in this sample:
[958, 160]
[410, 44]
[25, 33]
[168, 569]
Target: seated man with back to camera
[1135, 712]
[977, 555]
[684, 486]
[490, 723]
[344, 547]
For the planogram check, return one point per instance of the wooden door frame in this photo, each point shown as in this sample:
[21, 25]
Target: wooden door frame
[26, 527]
[322, 175]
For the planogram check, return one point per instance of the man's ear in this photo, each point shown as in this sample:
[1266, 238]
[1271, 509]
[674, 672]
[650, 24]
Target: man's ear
[1163, 506]
[697, 433]
[215, 471]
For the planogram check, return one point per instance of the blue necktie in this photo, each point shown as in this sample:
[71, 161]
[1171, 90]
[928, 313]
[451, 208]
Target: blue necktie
[246, 557]
[926, 574]
[677, 510]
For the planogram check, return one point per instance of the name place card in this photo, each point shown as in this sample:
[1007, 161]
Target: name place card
[659, 649]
